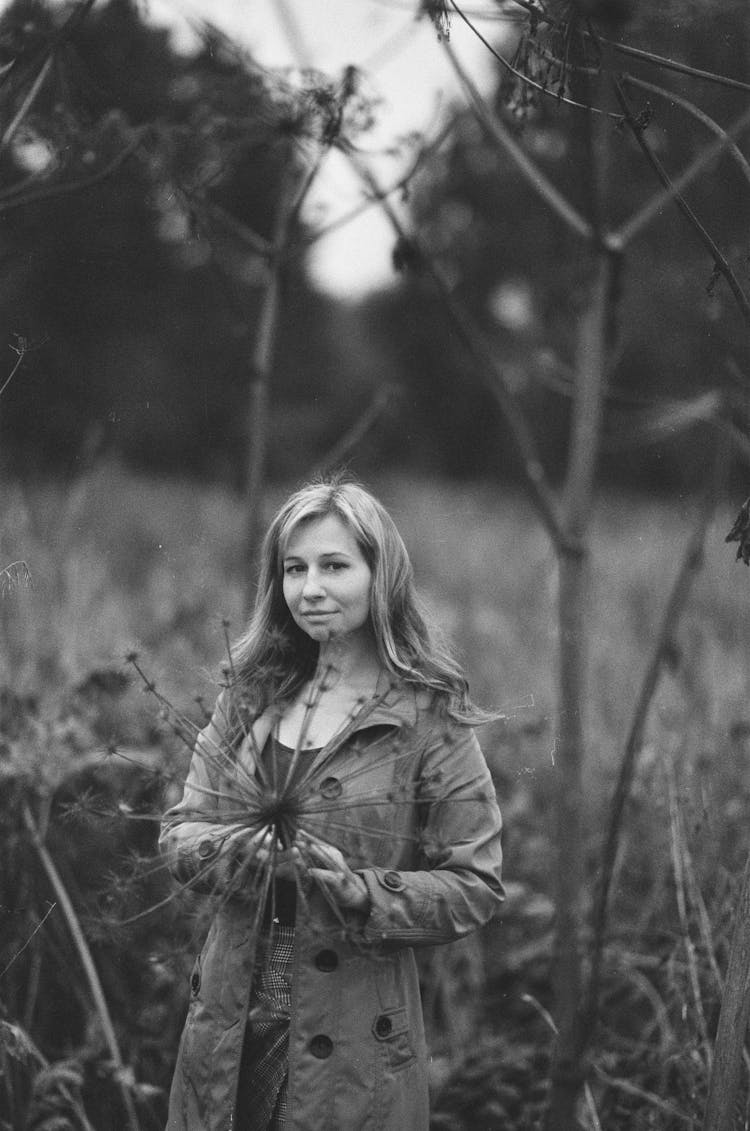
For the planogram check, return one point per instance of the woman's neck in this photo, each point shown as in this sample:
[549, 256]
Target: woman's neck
[351, 660]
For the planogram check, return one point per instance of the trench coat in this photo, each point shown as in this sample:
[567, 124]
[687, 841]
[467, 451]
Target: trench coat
[408, 798]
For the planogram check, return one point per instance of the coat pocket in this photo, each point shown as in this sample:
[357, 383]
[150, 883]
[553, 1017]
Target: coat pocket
[391, 1029]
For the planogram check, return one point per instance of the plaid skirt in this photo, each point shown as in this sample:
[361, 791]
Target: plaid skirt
[262, 1091]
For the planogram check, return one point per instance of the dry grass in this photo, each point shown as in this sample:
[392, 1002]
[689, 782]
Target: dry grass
[121, 562]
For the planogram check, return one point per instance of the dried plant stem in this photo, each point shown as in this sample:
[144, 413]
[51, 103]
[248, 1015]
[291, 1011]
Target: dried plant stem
[12, 199]
[673, 190]
[690, 566]
[507, 143]
[732, 149]
[733, 1021]
[595, 339]
[631, 1089]
[358, 430]
[84, 954]
[677, 836]
[17, 120]
[479, 350]
[261, 366]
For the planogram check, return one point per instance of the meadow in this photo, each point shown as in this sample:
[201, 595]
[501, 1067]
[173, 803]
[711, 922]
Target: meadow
[123, 564]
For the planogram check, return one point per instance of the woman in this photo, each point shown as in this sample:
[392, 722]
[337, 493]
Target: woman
[339, 803]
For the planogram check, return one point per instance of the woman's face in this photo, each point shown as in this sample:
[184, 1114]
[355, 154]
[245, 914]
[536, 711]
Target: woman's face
[327, 581]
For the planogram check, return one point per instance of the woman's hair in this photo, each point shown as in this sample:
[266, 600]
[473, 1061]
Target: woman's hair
[274, 657]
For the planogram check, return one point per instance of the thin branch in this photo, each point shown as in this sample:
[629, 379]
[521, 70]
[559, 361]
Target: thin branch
[497, 132]
[15, 124]
[9, 201]
[526, 79]
[202, 205]
[358, 430]
[491, 376]
[30, 939]
[401, 185]
[84, 954]
[729, 144]
[690, 566]
[21, 351]
[674, 65]
[673, 191]
[672, 186]
[640, 53]
[261, 365]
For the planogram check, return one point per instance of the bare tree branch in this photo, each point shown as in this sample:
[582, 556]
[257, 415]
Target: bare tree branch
[673, 191]
[639, 53]
[346, 444]
[487, 369]
[731, 147]
[673, 187]
[528, 168]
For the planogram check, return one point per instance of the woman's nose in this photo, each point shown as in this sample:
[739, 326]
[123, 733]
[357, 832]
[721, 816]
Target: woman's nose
[313, 584]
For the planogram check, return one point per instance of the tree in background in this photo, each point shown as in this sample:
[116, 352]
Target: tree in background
[138, 204]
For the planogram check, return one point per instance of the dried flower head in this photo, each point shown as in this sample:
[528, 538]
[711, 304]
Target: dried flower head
[740, 532]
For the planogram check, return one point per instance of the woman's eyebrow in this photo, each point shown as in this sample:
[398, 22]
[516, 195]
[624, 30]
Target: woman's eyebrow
[325, 554]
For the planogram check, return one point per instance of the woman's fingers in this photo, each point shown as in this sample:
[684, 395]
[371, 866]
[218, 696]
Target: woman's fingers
[346, 887]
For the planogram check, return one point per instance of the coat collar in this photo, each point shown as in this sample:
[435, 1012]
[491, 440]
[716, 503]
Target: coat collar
[394, 704]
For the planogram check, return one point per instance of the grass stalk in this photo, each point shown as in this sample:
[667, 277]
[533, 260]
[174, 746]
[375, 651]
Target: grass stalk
[676, 839]
[729, 1046]
[84, 954]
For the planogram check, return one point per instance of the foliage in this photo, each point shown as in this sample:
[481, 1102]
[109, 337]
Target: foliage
[138, 200]
[679, 332]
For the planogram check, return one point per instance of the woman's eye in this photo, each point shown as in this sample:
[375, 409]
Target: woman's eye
[335, 566]
[293, 569]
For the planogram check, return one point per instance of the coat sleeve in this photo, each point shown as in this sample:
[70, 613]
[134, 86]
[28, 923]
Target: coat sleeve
[194, 830]
[458, 887]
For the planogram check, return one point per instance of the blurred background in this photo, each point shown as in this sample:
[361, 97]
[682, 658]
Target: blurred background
[227, 234]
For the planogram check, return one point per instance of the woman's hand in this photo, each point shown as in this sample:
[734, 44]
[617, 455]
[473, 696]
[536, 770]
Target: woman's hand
[330, 869]
[243, 853]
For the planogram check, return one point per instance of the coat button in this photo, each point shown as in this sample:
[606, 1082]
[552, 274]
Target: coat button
[321, 1046]
[326, 961]
[393, 881]
[383, 1026]
[206, 848]
[331, 788]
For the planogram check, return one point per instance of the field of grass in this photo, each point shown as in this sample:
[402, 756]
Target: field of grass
[121, 563]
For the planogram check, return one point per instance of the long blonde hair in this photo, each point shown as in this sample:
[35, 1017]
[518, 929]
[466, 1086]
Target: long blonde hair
[274, 658]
